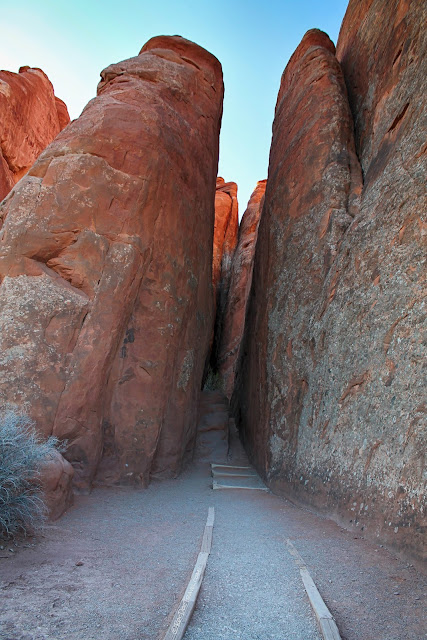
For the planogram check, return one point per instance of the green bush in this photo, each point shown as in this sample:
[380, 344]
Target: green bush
[22, 455]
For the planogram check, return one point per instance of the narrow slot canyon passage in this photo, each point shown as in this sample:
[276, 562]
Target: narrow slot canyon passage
[270, 368]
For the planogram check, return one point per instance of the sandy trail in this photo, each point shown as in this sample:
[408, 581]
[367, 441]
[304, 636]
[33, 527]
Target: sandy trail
[117, 563]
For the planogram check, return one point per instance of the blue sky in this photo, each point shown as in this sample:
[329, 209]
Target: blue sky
[73, 41]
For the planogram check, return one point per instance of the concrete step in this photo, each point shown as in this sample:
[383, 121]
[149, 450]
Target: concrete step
[238, 477]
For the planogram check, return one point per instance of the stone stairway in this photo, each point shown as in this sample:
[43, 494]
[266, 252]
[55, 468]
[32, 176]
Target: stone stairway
[235, 477]
[218, 442]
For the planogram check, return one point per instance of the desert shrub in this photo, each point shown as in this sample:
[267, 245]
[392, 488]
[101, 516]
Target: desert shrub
[22, 455]
[213, 381]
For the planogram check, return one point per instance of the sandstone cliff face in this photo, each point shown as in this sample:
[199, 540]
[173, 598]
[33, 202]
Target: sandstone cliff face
[106, 266]
[387, 264]
[332, 384]
[311, 197]
[224, 244]
[233, 320]
[30, 118]
[225, 233]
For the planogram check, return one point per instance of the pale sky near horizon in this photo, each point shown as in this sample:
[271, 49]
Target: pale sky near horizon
[73, 41]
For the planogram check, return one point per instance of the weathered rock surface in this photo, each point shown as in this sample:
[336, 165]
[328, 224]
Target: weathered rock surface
[30, 118]
[62, 111]
[332, 385]
[106, 266]
[56, 480]
[233, 320]
[224, 244]
[387, 267]
[225, 233]
[311, 195]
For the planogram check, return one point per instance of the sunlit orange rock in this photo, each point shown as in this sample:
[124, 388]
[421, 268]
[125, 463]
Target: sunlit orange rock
[30, 118]
[106, 305]
[62, 111]
[224, 244]
[233, 320]
[225, 233]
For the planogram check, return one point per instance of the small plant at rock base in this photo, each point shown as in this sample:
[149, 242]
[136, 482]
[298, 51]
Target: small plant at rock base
[213, 381]
[22, 456]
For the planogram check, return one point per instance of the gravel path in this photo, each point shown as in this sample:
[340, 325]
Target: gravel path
[117, 563]
[252, 589]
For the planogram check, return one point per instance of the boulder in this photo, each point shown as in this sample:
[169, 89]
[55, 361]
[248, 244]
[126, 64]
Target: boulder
[62, 111]
[106, 268]
[56, 482]
[31, 116]
[234, 314]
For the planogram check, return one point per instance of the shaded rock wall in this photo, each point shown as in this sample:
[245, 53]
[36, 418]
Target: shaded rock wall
[331, 387]
[106, 267]
[30, 118]
[234, 313]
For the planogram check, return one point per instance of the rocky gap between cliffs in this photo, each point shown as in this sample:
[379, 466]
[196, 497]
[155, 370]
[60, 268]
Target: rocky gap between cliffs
[303, 331]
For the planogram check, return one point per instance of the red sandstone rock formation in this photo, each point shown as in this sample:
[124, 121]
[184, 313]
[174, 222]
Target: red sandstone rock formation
[332, 407]
[225, 233]
[311, 197]
[30, 118]
[62, 111]
[233, 322]
[382, 392]
[224, 244]
[105, 267]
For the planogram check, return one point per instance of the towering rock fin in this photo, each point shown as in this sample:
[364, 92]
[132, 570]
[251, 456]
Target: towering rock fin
[106, 305]
[310, 200]
[234, 313]
[331, 387]
[224, 245]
